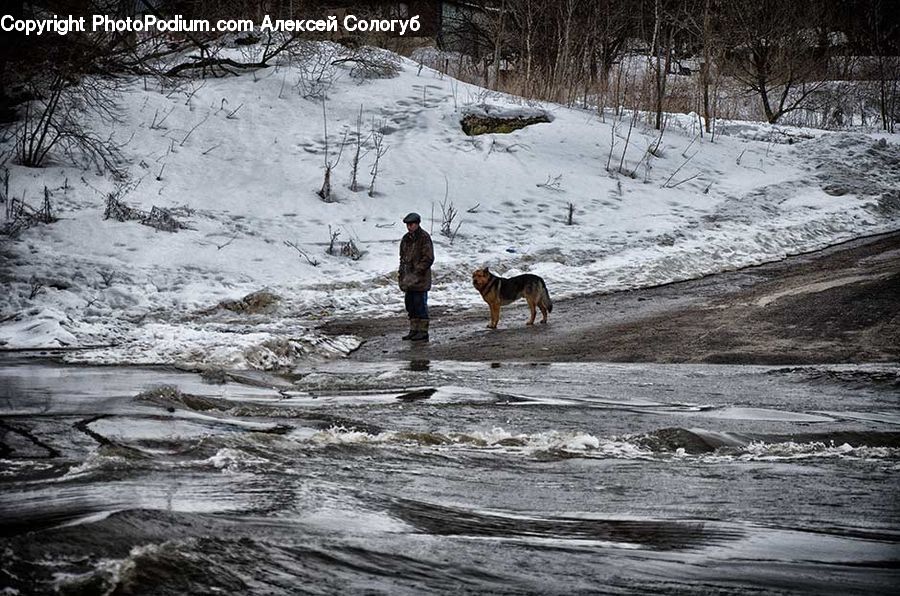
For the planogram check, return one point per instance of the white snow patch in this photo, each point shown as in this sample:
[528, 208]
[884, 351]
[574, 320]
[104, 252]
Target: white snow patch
[505, 111]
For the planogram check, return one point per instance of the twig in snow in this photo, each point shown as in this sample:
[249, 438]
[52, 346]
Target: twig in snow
[313, 262]
[551, 184]
[684, 153]
[191, 131]
[612, 142]
[685, 180]
[158, 124]
[570, 217]
[678, 169]
[107, 277]
[194, 90]
[230, 240]
[448, 214]
[37, 286]
[627, 139]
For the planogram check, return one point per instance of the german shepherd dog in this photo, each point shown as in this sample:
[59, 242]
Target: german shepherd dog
[498, 291]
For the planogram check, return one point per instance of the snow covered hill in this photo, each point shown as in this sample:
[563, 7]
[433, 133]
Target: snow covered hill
[239, 161]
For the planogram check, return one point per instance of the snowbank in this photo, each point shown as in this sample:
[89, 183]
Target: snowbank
[244, 181]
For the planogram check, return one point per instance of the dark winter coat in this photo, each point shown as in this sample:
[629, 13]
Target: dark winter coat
[416, 257]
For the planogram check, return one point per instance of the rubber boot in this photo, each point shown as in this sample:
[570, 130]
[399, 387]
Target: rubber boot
[422, 331]
[413, 327]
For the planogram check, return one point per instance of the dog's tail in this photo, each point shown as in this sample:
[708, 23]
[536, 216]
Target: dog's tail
[545, 297]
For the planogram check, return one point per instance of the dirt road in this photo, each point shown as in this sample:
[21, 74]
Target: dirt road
[841, 304]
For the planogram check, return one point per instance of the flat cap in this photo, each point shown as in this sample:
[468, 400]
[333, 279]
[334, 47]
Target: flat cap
[412, 218]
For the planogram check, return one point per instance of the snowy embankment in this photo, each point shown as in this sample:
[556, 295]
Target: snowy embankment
[238, 160]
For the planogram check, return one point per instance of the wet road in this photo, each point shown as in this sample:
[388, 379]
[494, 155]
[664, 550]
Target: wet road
[836, 305]
[448, 477]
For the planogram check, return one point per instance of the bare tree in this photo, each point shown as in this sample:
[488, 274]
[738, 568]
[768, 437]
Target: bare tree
[774, 53]
[883, 33]
[316, 72]
[613, 26]
[370, 63]
[672, 20]
[706, 65]
[377, 137]
[54, 123]
[449, 214]
[525, 15]
[325, 192]
[358, 154]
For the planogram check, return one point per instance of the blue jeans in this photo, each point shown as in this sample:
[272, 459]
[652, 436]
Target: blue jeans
[417, 304]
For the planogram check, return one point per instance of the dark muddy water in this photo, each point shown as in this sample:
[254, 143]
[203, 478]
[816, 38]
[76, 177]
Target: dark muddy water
[445, 477]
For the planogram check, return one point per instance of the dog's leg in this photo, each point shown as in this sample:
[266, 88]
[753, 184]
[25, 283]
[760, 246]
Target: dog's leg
[543, 313]
[532, 310]
[495, 316]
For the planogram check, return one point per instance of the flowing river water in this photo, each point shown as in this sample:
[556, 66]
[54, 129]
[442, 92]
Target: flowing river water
[448, 477]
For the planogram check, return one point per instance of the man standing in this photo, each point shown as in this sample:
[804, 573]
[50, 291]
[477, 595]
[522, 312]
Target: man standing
[416, 257]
